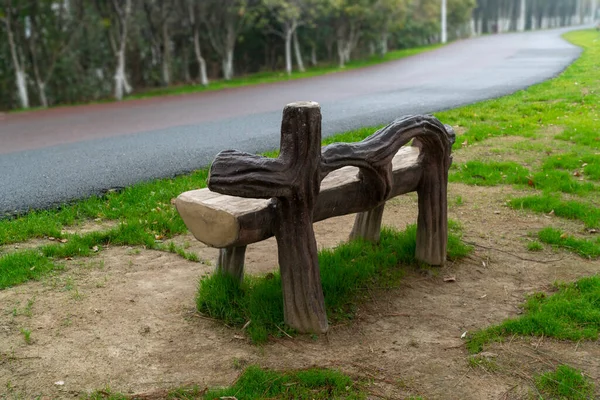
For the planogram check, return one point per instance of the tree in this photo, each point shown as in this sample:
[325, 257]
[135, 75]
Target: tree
[193, 11]
[13, 31]
[52, 28]
[224, 21]
[115, 19]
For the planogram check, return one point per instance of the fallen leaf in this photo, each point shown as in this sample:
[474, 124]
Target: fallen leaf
[564, 235]
[465, 143]
[488, 354]
[530, 183]
[593, 231]
[95, 249]
[450, 279]
[63, 240]
[173, 200]
[240, 337]
[228, 398]
[59, 383]
[551, 212]
[51, 238]
[464, 335]
[483, 297]
[484, 264]
[584, 165]
[576, 173]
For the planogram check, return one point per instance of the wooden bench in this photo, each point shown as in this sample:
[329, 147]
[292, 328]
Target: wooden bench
[251, 198]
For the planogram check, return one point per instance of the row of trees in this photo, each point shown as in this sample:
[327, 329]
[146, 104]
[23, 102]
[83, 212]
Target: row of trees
[65, 51]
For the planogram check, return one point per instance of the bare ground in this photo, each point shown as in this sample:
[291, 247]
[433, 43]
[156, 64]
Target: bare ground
[125, 319]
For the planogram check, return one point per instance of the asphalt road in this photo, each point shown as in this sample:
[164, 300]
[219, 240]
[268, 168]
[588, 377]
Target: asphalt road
[54, 156]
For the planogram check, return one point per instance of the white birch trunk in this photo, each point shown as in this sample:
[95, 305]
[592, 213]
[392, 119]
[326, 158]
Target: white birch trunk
[313, 55]
[383, 44]
[228, 64]
[20, 75]
[473, 26]
[594, 10]
[200, 59]
[288, 51]
[444, 36]
[166, 56]
[22, 87]
[297, 52]
[522, 16]
[341, 56]
[197, 49]
[42, 93]
[121, 83]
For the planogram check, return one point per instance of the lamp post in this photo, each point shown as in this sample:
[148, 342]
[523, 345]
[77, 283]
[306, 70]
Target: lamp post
[444, 22]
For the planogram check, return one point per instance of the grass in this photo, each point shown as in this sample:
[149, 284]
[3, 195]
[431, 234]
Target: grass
[258, 78]
[565, 383]
[572, 313]
[258, 383]
[346, 273]
[583, 247]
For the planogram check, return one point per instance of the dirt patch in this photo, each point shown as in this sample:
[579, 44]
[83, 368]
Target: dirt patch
[125, 318]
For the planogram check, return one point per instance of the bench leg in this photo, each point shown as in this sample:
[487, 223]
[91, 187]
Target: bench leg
[432, 223]
[367, 225]
[231, 262]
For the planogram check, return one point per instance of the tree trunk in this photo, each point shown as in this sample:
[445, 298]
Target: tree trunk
[383, 44]
[341, 55]
[522, 16]
[42, 93]
[444, 34]
[200, 59]
[166, 54]
[288, 51]
[313, 55]
[20, 75]
[297, 52]
[120, 81]
[22, 87]
[228, 64]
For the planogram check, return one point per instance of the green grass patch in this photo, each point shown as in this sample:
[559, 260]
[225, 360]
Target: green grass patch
[583, 247]
[346, 273]
[22, 266]
[589, 214]
[572, 313]
[489, 174]
[535, 246]
[565, 383]
[258, 383]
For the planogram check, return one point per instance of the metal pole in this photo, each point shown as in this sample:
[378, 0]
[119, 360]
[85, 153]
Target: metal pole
[444, 23]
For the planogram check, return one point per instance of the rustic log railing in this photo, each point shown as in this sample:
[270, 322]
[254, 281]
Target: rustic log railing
[263, 197]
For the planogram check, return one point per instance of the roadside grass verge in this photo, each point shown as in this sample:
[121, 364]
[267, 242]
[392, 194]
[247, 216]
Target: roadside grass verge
[257, 383]
[572, 313]
[279, 76]
[565, 383]
[347, 272]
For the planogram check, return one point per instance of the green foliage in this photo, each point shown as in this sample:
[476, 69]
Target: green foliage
[572, 313]
[346, 272]
[565, 383]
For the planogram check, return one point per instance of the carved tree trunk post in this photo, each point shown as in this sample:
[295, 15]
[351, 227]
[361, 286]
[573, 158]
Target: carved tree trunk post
[231, 262]
[367, 225]
[294, 179]
[432, 222]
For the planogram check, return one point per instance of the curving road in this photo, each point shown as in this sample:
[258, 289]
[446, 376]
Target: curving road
[53, 156]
